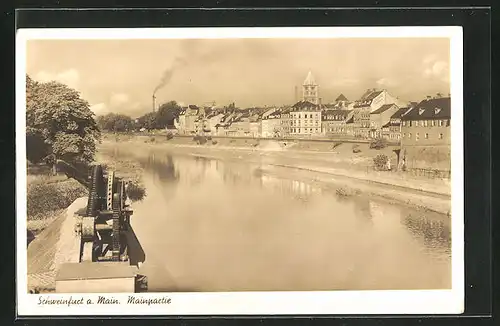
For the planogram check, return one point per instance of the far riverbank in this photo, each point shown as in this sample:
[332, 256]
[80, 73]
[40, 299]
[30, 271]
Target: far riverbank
[327, 164]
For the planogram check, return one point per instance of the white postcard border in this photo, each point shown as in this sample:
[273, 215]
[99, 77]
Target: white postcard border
[253, 303]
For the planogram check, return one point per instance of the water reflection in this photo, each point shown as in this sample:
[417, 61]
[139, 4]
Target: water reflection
[216, 225]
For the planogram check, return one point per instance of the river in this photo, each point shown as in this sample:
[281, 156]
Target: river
[217, 225]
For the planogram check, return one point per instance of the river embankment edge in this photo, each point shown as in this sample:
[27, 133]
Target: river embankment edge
[431, 195]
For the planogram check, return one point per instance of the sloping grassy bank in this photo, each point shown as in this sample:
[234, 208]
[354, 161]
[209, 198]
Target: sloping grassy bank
[47, 197]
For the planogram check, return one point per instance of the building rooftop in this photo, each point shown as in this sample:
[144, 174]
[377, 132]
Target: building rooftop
[383, 108]
[399, 113]
[430, 109]
[340, 98]
[305, 106]
[367, 98]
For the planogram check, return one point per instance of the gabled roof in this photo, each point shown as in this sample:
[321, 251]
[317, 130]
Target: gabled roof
[268, 112]
[341, 97]
[399, 113]
[367, 98]
[305, 106]
[430, 109]
[383, 108]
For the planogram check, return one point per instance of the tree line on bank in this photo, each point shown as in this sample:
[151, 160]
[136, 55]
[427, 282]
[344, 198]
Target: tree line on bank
[161, 119]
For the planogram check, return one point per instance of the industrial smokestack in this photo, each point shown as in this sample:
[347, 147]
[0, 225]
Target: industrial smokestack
[296, 99]
[154, 102]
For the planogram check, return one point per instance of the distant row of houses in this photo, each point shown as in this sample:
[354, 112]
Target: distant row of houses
[377, 114]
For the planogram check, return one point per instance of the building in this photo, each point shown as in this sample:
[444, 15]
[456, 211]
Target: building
[241, 124]
[370, 101]
[426, 135]
[191, 119]
[333, 122]
[392, 130]
[180, 122]
[380, 117]
[305, 119]
[271, 124]
[212, 120]
[224, 124]
[285, 121]
[310, 90]
[255, 126]
[428, 123]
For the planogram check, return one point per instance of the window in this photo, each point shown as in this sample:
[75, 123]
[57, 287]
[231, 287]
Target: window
[433, 123]
[417, 136]
[440, 136]
[425, 123]
[416, 123]
[440, 122]
[404, 135]
[409, 135]
[426, 136]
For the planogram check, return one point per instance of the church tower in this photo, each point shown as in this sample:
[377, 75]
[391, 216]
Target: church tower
[310, 89]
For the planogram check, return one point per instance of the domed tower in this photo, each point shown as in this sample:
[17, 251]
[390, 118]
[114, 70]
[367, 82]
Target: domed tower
[310, 89]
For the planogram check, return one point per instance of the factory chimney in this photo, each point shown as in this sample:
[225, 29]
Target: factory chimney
[154, 102]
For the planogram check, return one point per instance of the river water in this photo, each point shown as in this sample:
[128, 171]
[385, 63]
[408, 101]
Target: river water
[213, 225]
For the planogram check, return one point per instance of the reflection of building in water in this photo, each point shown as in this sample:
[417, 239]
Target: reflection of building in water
[435, 233]
[362, 210]
[289, 187]
[384, 217]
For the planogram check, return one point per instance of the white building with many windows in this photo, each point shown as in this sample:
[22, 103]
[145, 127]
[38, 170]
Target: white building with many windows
[305, 119]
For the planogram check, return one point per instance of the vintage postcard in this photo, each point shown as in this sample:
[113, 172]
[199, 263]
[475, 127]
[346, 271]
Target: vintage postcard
[240, 171]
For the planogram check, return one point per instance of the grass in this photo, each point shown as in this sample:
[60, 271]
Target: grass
[48, 196]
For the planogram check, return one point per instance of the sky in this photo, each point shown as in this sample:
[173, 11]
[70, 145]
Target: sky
[120, 76]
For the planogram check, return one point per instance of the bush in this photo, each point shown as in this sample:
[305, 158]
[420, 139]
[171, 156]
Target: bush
[380, 162]
[135, 191]
[209, 137]
[355, 148]
[152, 139]
[378, 143]
[200, 140]
[170, 135]
[45, 197]
[347, 192]
[214, 142]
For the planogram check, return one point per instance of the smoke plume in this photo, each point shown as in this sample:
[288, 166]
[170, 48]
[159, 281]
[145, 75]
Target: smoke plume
[167, 74]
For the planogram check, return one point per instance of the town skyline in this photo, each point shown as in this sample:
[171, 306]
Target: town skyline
[120, 76]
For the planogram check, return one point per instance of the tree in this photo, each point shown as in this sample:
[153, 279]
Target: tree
[148, 121]
[115, 122]
[59, 123]
[167, 113]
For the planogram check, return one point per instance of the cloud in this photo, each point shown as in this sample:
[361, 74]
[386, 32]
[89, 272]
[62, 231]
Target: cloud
[70, 77]
[437, 69]
[429, 59]
[345, 81]
[118, 99]
[99, 108]
[385, 82]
